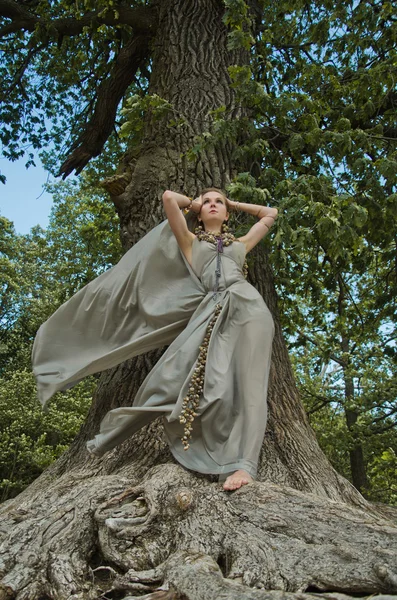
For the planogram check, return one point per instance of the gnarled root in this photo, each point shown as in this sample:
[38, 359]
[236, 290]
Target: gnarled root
[175, 533]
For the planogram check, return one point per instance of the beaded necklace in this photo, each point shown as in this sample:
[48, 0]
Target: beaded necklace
[219, 240]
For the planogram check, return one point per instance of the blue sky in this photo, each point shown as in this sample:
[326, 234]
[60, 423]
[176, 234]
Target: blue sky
[22, 199]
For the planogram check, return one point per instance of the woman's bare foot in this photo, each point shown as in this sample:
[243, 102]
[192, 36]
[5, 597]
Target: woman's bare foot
[236, 480]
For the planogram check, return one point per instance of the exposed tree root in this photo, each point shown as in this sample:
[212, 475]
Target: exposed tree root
[175, 535]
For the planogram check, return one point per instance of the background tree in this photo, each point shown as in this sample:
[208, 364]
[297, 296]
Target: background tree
[250, 96]
[350, 396]
[39, 272]
[338, 290]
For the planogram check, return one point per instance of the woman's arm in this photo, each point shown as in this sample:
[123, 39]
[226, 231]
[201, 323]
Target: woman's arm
[266, 215]
[173, 202]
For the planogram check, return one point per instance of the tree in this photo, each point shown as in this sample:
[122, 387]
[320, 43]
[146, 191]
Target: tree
[23, 281]
[10, 281]
[344, 311]
[29, 439]
[250, 96]
[321, 381]
[78, 253]
[39, 271]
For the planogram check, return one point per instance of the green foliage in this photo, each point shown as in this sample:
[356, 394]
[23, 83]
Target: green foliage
[238, 19]
[140, 109]
[82, 237]
[43, 269]
[39, 272]
[29, 439]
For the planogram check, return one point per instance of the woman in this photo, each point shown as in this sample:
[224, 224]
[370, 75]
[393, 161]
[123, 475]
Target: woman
[213, 209]
[189, 291]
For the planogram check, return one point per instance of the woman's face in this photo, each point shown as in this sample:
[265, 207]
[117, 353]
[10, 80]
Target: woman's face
[213, 210]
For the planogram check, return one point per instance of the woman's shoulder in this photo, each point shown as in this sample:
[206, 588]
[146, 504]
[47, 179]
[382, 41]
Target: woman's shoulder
[242, 241]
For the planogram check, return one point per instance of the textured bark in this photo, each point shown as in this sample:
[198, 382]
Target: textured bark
[135, 524]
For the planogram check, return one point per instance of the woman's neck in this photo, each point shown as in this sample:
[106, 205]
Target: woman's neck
[213, 232]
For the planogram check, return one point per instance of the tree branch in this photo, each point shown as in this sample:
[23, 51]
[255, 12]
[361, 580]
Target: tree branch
[141, 19]
[320, 405]
[14, 10]
[376, 431]
[332, 356]
[21, 71]
[110, 92]
[383, 417]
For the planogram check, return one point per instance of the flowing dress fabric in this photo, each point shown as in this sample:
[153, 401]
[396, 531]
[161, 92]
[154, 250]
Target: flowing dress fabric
[142, 303]
[228, 431]
[154, 297]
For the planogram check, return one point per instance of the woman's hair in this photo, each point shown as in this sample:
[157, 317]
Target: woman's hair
[212, 189]
[192, 217]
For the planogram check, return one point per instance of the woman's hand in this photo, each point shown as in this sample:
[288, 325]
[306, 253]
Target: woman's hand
[197, 204]
[231, 205]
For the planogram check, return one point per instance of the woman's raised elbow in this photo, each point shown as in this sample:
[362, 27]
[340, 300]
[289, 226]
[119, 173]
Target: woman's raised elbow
[167, 196]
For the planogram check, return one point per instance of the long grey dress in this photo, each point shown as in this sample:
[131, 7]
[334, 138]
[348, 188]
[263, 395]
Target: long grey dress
[154, 297]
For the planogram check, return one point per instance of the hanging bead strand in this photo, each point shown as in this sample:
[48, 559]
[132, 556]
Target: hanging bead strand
[196, 385]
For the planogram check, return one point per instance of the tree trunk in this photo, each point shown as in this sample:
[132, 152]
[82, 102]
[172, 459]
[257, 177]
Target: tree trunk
[135, 524]
[356, 454]
[357, 464]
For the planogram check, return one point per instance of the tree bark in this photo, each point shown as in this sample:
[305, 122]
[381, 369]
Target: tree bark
[357, 463]
[135, 524]
[356, 454]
